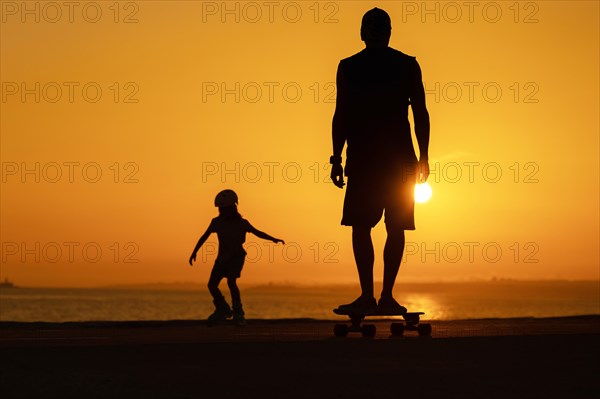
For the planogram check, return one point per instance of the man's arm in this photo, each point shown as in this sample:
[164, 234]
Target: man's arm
[421, 117]
[338, 129]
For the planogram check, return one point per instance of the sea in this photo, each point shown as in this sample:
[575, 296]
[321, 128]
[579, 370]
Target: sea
[439, 301]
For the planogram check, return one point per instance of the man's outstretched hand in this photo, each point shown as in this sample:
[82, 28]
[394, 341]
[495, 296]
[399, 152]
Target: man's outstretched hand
[337, 175]
[192, 258]
[423, 170]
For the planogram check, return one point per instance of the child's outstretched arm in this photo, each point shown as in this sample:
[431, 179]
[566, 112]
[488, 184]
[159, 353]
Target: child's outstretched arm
[199, 244]
[264, 236]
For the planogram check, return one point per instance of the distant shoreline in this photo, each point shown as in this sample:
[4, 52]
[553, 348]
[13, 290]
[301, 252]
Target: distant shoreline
[290, 285]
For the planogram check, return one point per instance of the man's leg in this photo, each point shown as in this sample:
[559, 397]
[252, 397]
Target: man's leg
[392, 256]
[399, 216]
[362, 210]
[365, 257]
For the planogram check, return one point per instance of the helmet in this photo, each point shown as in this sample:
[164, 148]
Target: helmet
[226, 198]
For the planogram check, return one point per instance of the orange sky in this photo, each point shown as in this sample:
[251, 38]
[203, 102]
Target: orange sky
[511, 90]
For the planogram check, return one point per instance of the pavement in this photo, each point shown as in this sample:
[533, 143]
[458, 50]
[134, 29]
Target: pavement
[300, 358]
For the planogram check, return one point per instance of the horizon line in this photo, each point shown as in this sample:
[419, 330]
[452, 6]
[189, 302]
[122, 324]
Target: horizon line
[292, 284]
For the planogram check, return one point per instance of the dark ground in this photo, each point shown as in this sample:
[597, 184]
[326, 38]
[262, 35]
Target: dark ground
[514, 358]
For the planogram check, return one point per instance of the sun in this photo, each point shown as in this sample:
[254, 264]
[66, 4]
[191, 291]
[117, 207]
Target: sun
[422, 192]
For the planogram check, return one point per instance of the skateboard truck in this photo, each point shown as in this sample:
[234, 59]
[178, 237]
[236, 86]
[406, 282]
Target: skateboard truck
[411, 323]
[367, 330]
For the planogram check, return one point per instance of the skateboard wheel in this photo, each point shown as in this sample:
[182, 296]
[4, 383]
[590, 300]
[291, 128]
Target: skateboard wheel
[340, 330]
[368, 330]
[397, 328]
[424, 329]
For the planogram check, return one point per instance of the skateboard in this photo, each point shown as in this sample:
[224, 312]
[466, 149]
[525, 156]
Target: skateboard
[411, 323]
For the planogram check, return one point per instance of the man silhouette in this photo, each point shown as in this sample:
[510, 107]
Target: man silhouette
[374, 89]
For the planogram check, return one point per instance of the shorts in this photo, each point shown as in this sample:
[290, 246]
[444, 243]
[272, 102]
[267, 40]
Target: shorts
[368, 195]
[229, 268]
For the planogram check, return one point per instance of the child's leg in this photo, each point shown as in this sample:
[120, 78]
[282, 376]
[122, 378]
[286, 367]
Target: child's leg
[233, 288]
[222, 309]
[238, 311]
[213, 285]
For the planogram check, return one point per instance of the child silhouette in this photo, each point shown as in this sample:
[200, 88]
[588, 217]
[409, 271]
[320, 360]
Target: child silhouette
[231, 231]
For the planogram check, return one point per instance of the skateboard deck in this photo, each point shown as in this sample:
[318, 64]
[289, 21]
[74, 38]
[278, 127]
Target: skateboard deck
[411, 323]
[373, 313]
